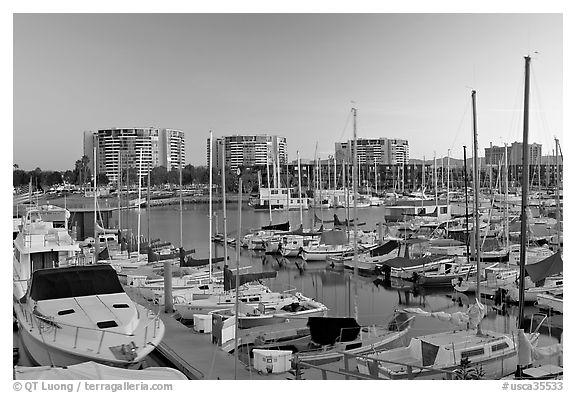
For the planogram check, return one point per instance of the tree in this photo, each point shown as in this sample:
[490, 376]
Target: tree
[102, 178]
[158, 175]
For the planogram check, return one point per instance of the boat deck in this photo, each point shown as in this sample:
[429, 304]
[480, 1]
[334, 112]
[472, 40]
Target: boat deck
[197, 357]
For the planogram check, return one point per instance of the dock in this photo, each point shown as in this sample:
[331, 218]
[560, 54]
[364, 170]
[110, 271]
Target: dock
[195, 355]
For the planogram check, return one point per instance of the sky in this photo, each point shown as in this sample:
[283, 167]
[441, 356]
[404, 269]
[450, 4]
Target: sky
[297, 75]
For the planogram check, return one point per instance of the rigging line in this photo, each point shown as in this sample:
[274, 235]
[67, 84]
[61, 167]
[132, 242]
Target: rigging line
[345, 126]
[515, 120]
[459, 129]
[545, 134]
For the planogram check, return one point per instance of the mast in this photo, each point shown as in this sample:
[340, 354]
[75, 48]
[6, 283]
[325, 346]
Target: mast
[287, 192]
[139, 200]
[224, 200]
[355, 243]
[180, 185]
[210, 210]
[476, 200]
[237, 289]
[96, 242]
[448, 185]
[268, 184]
[119, 192]
[466, 203]
[525, 180]
[435, 181]
[558, 183]
[507, 221]
[300, 200]
[148, 205]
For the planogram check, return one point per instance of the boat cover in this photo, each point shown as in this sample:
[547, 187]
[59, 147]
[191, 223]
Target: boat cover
[329, 330]
[545, 268]
[333, 238]
[402, 262]
[385, 248]
[74, 281]
[95, 371]
[230, 278]
[285, 226]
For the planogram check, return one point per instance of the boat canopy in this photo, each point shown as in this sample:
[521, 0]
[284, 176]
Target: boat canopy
[300, 231]
[75, 281]
[401, 262]
[545, 268]
[329, 330]
[285, 226]
[230, 278]
[385, 248]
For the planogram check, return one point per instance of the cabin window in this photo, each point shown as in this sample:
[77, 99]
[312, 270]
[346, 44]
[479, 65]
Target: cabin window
[274, 192]
[499, 347]
[203, 287]
[472, 352]
[121, 305]
[254, 299]
[66, 312]
[106, 324]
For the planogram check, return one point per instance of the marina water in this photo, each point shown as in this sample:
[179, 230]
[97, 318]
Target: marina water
[336, 290]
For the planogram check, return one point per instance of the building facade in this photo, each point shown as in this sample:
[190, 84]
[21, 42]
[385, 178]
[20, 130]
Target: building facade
[495, 154]
[247, 150]
[374, 151]
[141, 148]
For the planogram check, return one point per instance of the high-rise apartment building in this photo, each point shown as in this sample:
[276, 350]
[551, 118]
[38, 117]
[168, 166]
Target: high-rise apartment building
[380, 151]
[247, 150]
[495, 154]
[139, 148]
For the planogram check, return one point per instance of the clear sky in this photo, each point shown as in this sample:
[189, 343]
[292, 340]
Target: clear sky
[410, 76]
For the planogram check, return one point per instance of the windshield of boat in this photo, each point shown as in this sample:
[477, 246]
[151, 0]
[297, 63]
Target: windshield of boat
[74, 281]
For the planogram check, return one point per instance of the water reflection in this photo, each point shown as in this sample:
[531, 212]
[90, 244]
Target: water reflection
[341, 291]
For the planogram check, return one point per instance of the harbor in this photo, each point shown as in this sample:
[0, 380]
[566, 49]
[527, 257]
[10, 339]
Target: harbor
[200, 253]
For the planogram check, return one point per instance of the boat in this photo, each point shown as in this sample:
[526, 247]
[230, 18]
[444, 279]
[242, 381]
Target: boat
[436, 355]
[277, 198]
[252, 294]
[272, 312]
[75, 314]
[95, 371]
[330, 336]
[493, 278]
[444, 274]
[331, 243]
[551, 300]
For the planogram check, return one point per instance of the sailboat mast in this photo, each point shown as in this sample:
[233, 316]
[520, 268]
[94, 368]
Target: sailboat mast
[119, 197]
[300, 199]
[525, 180]
[466, 204]
[507, 221]
[210, 210]
[268, 184]
[476, 199]
[354, 192]
[448, 185]
[96, 242]
[180, 185]
[139, 200]
[224, 200]
[287, 192]
[148, 204]
[558, 233]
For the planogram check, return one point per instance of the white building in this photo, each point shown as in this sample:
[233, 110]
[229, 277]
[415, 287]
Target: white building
[121, 148]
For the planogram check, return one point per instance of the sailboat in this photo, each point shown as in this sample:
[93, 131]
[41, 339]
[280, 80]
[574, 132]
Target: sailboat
[432, 356]
[330, 336]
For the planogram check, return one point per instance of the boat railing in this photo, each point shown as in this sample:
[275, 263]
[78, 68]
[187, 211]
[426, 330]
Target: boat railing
[412, 370]
[45, 324]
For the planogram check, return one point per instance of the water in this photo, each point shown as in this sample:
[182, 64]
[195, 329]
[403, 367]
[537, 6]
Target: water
[339, 291]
